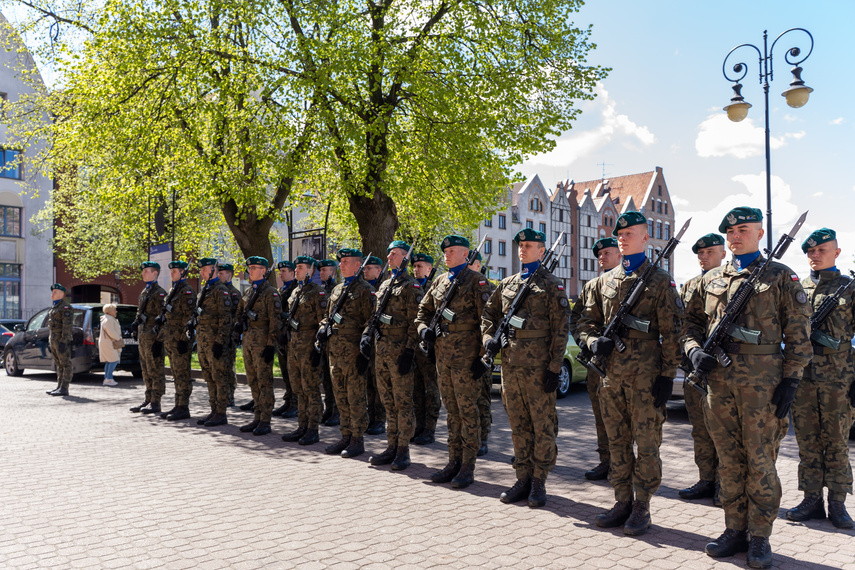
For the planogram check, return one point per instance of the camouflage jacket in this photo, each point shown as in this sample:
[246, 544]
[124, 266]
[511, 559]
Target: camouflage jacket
[779, 311]
[355, 311]
[215, 313]
[659, 304]
[155, 295]
[306, 307]
[268, 308]
[399, 316]
[578, 307]
[181, 308]
[234, 294]
[60, 319]
[545, 318]
[285, 295]
[840, 324]
[689, 287]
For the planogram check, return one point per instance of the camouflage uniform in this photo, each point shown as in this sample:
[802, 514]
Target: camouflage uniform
[174, 339]
[426, 394]
[741, 415]
[152, 366]
[282, 349]
[60, 320]
[537, 347]
[214, 327]
[821, 409]
[457, 347]
[626, 393]
[343, 350]
[260, 334]
[485, 398]
[306, 308]
[330, 408]
[376, 411]
[231, 345]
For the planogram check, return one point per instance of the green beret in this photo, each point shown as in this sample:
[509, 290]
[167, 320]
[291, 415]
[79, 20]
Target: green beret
[327, 263]
[629, 219]
[422, 257]
[306, 260]
[178, 264]
[821, 235]
[153, 264]
[58, 286]
[740, 215]
[285, 265]
[227, 267]
[257, 260]
[477, 256]
[206, 261]
[348, 252]
[399, 244]
[603, 243]
[451, 240]
[529, 234]
[374, 260]
[708, 240]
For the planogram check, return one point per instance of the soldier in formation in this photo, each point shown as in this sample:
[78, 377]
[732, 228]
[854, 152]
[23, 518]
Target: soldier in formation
[376, 411]
[179, 306]
[226, 274]
[60, 324]
[288, 409]
[149, 306]
[426, 399]
[327, 269]
[485, 414]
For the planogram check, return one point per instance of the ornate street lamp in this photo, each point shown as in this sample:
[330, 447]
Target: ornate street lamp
[796, 96]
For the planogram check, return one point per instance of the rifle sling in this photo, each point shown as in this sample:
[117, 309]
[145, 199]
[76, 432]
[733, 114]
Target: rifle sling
[527, 334]
[751, 349]
[639, 335]
[845, 346]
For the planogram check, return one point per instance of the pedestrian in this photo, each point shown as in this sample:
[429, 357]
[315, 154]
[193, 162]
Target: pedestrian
[60, 319]
[426, 398]
[110, 343]
[149, 305]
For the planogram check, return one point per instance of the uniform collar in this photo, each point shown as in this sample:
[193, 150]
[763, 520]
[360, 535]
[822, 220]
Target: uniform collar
[213, 280]
[258, 283]
[633, 261]
[452, 273]
[744, 260]
[179, 282]
[349, 280]
[287, 284]
[529, 268]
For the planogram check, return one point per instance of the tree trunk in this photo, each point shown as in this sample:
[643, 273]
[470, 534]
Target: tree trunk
[252, 233]
[377, 218]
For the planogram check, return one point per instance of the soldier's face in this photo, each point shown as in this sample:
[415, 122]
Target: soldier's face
[327, 272]
[823, 256]
[744, 238]
[207, 272]
[371, 272]
[303, 271]
[57, 295]
[149, 274]
[476, 265]
[609, 258]
[349, 266]
[256, 272]
[225, 276]
[421, 269]
[395, 257]
[286, 274]
[530, 251]
[175, 273]
[711, 257]
[632, 240]
[455, 255]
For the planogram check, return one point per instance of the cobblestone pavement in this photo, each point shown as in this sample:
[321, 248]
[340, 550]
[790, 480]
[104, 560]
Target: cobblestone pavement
[86, 484]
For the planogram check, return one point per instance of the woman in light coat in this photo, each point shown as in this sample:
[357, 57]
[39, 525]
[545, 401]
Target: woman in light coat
[110, 331]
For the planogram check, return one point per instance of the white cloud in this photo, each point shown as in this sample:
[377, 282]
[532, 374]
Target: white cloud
[837, 121]
[790, 118]
[719, 136]
[817, 194]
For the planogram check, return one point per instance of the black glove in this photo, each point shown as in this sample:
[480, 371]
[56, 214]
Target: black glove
[405, 361]
[238, 329]
[662, 388]
[61, 346]
[157, 349]
[701, 361]
[182, 346]
[158, 321]
[282, 339]
[428, 335]
[314, 358]
[603, 346]
[492, 346]
[217, 349]
[550, 381]
[322, 337]
[267, 354]
[478, 368]
[365, 346]
[852, 395]
[132, 328]
[784, 395]
[361, 363]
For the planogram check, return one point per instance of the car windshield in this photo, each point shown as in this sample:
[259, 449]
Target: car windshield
[126, 316]
[36, 322]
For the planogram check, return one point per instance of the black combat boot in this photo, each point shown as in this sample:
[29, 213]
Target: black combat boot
[483, 449]
[311, 436]
[164, 414]
[402, 458]
[616, 516]
[728, 544]
[250, 426]
[248, 407]
[599, 472]
[425, 438]
[447, 473]
[291, 412]
[639, 520]
[811, 507]
[537, 496]
[356, 447]
[50, 392]
[700, 490]
[339, 446]
[152, 408]
[281, 409]
[716, 498]
[334, 419]
[201, 421]
[217, 420]
[759, 552]
[63, 391]
[180, 413]
[521, 490]
[231, 396]
[464, 477]
[376, 428]
[384, 458]
[263, 428]
[137, 409]
[294, 435]
[838, 515]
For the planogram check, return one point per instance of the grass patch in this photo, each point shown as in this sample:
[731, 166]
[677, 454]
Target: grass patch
[239, 366]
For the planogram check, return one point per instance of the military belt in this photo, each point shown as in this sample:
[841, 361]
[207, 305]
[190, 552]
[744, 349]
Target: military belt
[639, 335]
[394, 332]
[825, 351]
[751, 349]
[345, 330]
[527, 334]
[448, 327]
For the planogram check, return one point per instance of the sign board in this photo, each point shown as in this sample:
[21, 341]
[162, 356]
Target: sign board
[162, 254]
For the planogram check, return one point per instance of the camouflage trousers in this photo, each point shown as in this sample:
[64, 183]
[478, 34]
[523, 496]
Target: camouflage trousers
[460, 393]
[594, 380]
[426, 393]
[705, 456]
[531, 413]
[288, 397]
[152, 369]
[626, 402]
[259, 376]
[376, 411]
[485, 403]
[215, 371]
[231, 357]
[742, 423]
[327, 383]
[62, 363]
[306, 382]
[396, 392]
[348, 385]
[179, 365]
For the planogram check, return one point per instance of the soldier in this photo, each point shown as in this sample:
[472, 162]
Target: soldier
[306, 308]
[262, 322]
[376, 411]
[394, 356]
[711, 254]
[426, 398]
[59, 339]
[458, 348]
[214, 324]
[822, 406]
[608, 255]
[485, 398]
[638, 381]
[530, 365]
[748, 401]
[226, 273]
[327, 269]
[149, 305]
[179, 308]
[288, 409]
[343, 349]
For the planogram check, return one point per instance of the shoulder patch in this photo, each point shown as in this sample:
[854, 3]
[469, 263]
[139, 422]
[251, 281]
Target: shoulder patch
[162, 294]
[188, 291]
[482, 282]
[673, 284]
[563, 301]
[485, 296]
[561, 288]
[417, 286]
[801, 298]
[322, 293]
[679, 302]
[794, 277]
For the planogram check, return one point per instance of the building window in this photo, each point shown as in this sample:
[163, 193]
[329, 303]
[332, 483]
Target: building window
[542, 227]
[502, 222]
[666, 207]
[502, 248]
[488, 246]
[589, 221]
[667, 265]
[660, 189]
[650, 253]
[515, 214]
[560, 215]
[658, 230]
[10, 223]
[650, 228]
[11, 168]
[503, 273]
[529, 224]
[667, 230]
[488, 222]
[10, 290]
[535, 205]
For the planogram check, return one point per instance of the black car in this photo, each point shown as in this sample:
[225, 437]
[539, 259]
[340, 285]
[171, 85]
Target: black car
[28, 348]
[7, 329]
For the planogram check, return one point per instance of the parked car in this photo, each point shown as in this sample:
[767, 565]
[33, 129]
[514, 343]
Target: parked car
[28, 348]
[571, 371]
[7, 329]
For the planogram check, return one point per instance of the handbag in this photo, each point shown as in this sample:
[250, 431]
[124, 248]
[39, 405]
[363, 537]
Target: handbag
[117, 344]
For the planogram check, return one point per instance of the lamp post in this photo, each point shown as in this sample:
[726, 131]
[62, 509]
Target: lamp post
[796, 96]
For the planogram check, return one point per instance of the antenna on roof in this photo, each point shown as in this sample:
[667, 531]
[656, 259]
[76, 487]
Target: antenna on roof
[604, 165]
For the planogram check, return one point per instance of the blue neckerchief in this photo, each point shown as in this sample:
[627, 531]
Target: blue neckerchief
[213, 280]
[348, 280]
[395, 272]
[174, 283]
[633, 261]
[744, 260]
[373, 282]
[422, 281]
[529, 268]
[150, 284]
[55, 303]
[287, 284]
[452, 273]
[814, 273]
[258, 283]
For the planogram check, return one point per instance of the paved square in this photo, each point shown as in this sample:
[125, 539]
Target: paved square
[87, 484]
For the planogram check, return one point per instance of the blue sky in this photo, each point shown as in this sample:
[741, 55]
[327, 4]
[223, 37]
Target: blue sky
[662, 106]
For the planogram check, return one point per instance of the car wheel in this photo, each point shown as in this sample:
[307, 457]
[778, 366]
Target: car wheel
[565, 376]
[10, 363]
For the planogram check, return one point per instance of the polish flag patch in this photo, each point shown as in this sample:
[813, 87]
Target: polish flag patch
[482, 283]
[673, 284]
[561, 287]
[417, 286]
[794, 277]
[322, 293]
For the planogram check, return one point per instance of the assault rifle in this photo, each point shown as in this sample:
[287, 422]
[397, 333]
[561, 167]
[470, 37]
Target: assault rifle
[485, 265]
[242, 321]
[442, 311]
[726, 326]
[161, 319]
[378, 318]
[140, 319]
[823, 312]
[339, 304]
[190, 326]
[622, 319]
